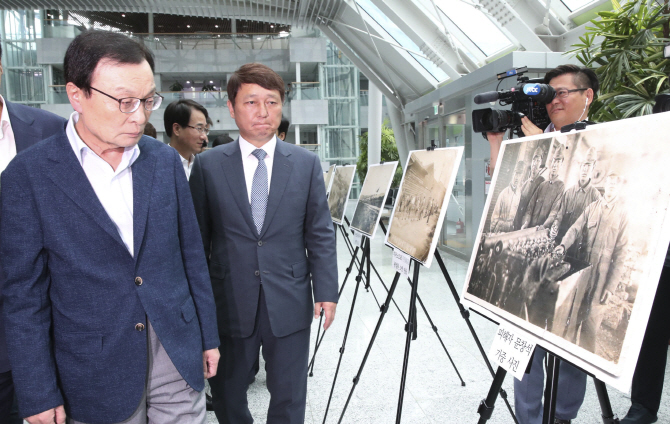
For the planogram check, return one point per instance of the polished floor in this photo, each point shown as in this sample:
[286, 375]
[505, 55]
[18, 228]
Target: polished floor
[434, 393]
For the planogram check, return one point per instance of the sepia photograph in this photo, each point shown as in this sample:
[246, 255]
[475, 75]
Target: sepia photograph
[340, 187]
[328, 176]
[569, 247]
[422, 200]
[373, 196]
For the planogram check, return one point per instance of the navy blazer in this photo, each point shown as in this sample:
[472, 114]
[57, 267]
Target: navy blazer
[72, 294]
[297, 240]
[29, 125]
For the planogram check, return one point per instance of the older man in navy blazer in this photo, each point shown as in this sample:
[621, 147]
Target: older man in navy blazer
[108, 307]
[20, 127]
[270, 242]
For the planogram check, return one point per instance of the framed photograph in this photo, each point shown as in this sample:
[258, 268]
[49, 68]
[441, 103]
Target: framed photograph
[340, 187]
[419, 210]
[373, 196]
[573, 239]
[327, 177]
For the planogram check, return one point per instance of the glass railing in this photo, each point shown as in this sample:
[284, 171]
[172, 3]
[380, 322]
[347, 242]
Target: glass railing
[58, 95]
[214, 41]
[304, 91]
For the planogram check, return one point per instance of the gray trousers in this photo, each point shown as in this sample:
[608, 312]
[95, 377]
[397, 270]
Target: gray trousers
[167, 398]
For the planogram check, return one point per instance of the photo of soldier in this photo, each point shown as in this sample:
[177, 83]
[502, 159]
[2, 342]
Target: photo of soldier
[339, 191]
[502, 220]
[530, 186]
[547, 194]
[603, 231]
[574, 201]
[580, 268]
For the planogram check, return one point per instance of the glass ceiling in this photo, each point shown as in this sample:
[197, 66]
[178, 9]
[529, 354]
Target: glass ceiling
[475, 25]
[384, 25]
[576, 4]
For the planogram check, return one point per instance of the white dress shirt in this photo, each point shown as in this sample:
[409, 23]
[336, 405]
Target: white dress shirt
[250, 162]
[113, 188]
[7, 141]
[187, 164]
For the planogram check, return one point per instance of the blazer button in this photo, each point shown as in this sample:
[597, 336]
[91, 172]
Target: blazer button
[260, 243]
[139, 327]
[257, 273]
[138, 281]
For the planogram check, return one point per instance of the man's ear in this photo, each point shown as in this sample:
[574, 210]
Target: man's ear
[231, 109]
[176, 129]
[75, 95]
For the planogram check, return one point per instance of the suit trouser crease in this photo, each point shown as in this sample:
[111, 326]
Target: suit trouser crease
[286, 361]
[167, 398]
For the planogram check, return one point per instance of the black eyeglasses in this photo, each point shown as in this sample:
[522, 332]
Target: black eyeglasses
[131, 104]
[563, 93]
[201, 130]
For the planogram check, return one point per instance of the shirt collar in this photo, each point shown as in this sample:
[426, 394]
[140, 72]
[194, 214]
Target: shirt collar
[246, 148]
[130, 154]
[4, 117]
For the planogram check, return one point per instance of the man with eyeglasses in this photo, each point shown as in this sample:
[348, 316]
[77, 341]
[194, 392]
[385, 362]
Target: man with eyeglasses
[109, 311]
[186, 125]
[575, 90]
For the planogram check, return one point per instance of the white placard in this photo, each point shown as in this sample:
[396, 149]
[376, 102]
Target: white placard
[512, 349]
[401, 262]
[358, 238]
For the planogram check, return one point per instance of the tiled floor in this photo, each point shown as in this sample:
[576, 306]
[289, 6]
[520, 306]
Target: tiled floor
[433, 393]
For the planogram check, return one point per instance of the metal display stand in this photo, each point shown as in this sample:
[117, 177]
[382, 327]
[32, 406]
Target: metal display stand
[487, 405]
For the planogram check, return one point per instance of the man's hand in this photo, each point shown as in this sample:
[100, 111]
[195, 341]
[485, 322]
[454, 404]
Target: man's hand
[328, 310]
[559, 250]
[210, 362]
[529, 128]
[606, 295]
[55, 415]
[495, 141]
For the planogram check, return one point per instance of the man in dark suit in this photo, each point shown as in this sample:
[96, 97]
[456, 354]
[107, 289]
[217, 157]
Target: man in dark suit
[108, 308]
[267, 234]
[20, 127]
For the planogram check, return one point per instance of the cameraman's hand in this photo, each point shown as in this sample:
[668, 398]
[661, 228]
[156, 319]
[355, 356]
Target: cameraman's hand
[529, 128]
[495, 141]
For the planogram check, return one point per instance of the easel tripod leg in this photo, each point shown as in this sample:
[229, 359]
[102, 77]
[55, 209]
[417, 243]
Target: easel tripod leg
[359, 277]
[384, 309]
[605, 405]
[411, 329]
[487, 405]
[551, 389]
[466, 316]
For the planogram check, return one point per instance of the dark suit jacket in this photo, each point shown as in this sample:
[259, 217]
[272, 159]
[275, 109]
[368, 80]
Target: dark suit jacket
[72, 300]
[296, 244]
[29, 125]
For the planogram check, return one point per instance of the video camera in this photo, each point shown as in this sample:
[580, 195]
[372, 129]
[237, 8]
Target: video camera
[663, 100]
[528, 98]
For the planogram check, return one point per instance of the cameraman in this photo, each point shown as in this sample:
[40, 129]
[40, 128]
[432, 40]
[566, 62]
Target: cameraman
[575, 89]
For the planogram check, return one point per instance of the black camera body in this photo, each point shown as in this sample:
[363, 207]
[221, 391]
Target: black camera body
[528, 98]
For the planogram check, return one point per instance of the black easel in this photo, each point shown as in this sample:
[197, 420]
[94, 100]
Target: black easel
[411, 329]
[365, 261]
[550, 391]
[354, 261]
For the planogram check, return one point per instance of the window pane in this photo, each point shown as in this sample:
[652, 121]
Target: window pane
[576, 4]
[27, 85]
[386, 26]
[475, 25]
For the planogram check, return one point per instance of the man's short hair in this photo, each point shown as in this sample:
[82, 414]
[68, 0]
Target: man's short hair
[209, 120]
[582, 77]
[150, 130]
[283, 126]
[90, 47]
[179, 112]
[255, 73]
